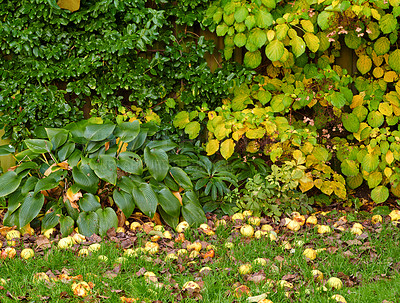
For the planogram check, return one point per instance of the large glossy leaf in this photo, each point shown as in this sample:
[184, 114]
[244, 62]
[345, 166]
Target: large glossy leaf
[370, 162]
[130, 163]
[105, 167]
[124, 201]
[7, 149]
[191, 209]
[30, 208]
[126, 184]
[39, 146]
[145, 198]
[51, 219]
[88, 223]
[77, 130]
[157, 162]
[127, 131]
[57, 136]
[180, 177]
[170, 220]
[73, 212]
[165, 145]
[107, 219]
[98, 132]
[89, 202]
[138, 141]
[169, 202]
[66, 151]
[85, 178]
[47, 183]
[66, 225]
[380, 194]
[9, 182]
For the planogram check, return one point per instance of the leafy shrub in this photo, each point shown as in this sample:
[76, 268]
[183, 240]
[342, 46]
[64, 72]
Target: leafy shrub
[86, 171]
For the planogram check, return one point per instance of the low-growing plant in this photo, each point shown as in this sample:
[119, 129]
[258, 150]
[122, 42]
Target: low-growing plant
[95, 173]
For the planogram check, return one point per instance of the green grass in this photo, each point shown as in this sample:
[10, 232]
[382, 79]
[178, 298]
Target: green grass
[368, 265]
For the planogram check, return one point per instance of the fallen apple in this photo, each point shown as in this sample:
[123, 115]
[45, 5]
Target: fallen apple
[247, 230]
[83, 252]
[245, 269]
[194, 254]
[129, 252]
[94, 247]
[260, 261]
[334, 283]
[259, 233]
[376, 219]
[48, 232]
[27, 253]
[81, 289]
[395, 215]
[194, 246]
[103, 258]
[8, 252]
[247, 213]
[339, 298]
[41, 277]
[167, 234]
[152, 247]
[181, 227]
[13, 234]
[266, 227]
[150, 277]
[159, 228]
[136, 226]
[293, 225]
[254, 221]
[78, 238]
[318, 275]
[323, 229]
[220, 222]
[310, 253]
[284, 284]
[238, 216]
[312, 220]
[192, 286]
[66, 242]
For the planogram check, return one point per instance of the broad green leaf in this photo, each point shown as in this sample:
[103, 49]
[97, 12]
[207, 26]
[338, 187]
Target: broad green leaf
[388, 23]
[172, 221]
[251, 60]
[9, 182]
[352, 40]
[374, 179]
[89, 202]
[57, 136]
[107, 219]
[241, 14]
[145, 198]
[66, 151]
[350, 122]
[169, 203]
[240, 39]
[263, 19]
[124, 201]
[181, 178]
[354, 182]
[298, 46]
[321, 153]
[227, 148]
[380, 194]
[281, 31]
[264, 96]
[212, 147]
[51, 219]
[127, 131]
[370, 162]
[85, 178]
[157, 162]
[88, 223]
[258, 37]
[394, 60]
[239, 102]
[47, 183]
[274, 50]
[30, 208]
[337, 99]
[39, 146]
[307, 25]
[192, 129]
[312, 42]
[375, 119]
[105, 167]
[98, 132]
[165, 145]
[323, 41]
[269, 3]
[181, 119]
[191, 209]
[170, 182]
[66, 225]
[364, 64]
[250, 22]
[325, 19]
[382, 46]
[130, 163]
[349, 168]
[222, 29]
[7, 149]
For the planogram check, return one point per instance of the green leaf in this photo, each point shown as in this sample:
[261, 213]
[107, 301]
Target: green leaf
[7, 149]
[355, 181]
[364, 64]
[382, 46]
[9, 181]
[394, 60]
[350, 122]
[105, 167]
[281, 31]
[274, 50]
[240, 101]
[124, 201]
[388, 23]
[39, 146]
[222, 29]
[169, 203]
[172, 221]
[263, 19]
[374, 179]
[107, 219]
[66, 151]
[47, 183]
[157, 162]
[375, 119]
[192, 129]
[170, 182]
[250, 22]
[252, 60]
[88, 223]
[98, 132]
[85, 178]
[337, 99]
[380, 194]
[241, 14]
[89, 202]
[181, 178]
[298, 46]
[321, 153]
[324, 19]
[145, 198]
[30, 208]
[240, 39]
[66, 225]
[258, 37]
[264, 96]
[51, 219]
[349, 168]
[352, 40]
[165, 145]
[312, 42]
[181, 119]
[130, 163]
[127, 131]
[57, 136]
[191, 209]
[370, 162]
[269, 3]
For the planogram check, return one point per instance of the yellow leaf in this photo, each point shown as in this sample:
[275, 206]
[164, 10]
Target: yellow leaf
[378, 72]
[121, 145]
[307, 148]
[388, 172]
[236, 135]
[318, 183]
[73, 197]
[299, 157]
[386, 109]
[220, 131]
[253, 147]
[327, 187]
[255, 133]
[227, 148]
[308, 26]
[375, 14]
[389, 157]
[357, 100]
[312, 41]
[390, 76]
[212, 147]
[270, 35]
[398, 87]
[71, 5]
[339, 189]
[364, 64]
[306, 183]
[378, 60]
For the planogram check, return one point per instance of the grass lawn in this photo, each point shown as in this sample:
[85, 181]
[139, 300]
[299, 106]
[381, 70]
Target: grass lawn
[367, 262]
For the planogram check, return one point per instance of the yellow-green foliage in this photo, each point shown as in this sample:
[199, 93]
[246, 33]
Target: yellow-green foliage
[303, 105]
